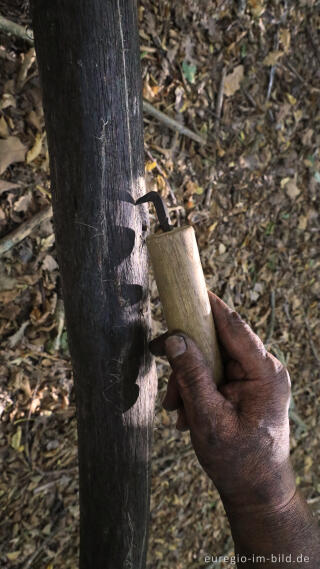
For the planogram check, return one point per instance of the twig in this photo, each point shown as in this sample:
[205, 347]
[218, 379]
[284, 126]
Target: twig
[288, 67]
[42, 546]
[21, 32]
[162, 361]
[27, 62]
[207, 200]
[272, 70]
[312, 346]
[60, 318]
[242, 5]
[295, 417]
[220, 96]
[298, 421]
[313, 500]
[18, 335]
[56, 472]
[250, 98]
[272, 318]
[173, 457]
[172, 123]
[271, 80]
[297, 392]
[24, 230]
[27, 432]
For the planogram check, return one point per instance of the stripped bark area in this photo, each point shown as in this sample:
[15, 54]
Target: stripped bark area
[89, 63]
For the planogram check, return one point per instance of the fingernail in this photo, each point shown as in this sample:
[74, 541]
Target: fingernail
[175, 346]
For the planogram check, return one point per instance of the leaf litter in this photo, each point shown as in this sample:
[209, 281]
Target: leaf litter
[251, 194]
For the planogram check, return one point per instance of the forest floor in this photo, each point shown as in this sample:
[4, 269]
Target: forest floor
[246, 75]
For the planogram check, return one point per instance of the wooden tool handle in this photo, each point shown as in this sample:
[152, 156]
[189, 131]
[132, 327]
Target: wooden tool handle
[182, 289]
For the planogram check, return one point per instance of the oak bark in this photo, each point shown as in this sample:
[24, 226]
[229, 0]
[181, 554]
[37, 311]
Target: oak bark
[88, 55]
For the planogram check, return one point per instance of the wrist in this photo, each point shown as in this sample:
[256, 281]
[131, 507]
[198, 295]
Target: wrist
[271, 490]
[286, 529]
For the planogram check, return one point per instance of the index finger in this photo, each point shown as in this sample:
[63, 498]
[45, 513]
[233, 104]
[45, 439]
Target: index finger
[238, 339]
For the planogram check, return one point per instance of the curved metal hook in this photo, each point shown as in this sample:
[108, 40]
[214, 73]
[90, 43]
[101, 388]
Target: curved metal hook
[161, 209]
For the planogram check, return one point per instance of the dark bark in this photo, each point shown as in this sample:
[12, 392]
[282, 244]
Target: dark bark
[88, 56]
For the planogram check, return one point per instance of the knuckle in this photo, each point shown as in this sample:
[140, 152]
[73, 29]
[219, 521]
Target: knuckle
[284, 379]
[232, 323]
[278, 371]
[239, 326]
[190, 374]
[235, 319]
[277, 387]
[283, 374]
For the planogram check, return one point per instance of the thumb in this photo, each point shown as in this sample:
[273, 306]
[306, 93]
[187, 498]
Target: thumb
[194, 377]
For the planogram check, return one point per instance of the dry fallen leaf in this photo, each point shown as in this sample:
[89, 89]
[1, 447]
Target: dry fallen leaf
[23, 203]
[11, 150]
[13, 555]
[303, 222]
[272, 57]
[307, 137]
[292, 189]
[4, 129]
[34, 120]
[251, 162]
[35, 150]
[49, 263]
[165, 418]
[16, 439]
[285, 38]
[257, 7]
[292, 100]
[7, 101]
[17, 337]
[233, 80]
[308, 462]
[150, 166]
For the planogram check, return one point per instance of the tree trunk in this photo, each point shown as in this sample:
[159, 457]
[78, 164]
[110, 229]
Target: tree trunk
[88, 54]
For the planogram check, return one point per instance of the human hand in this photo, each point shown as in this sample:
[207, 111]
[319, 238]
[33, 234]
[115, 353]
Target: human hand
[240, 431]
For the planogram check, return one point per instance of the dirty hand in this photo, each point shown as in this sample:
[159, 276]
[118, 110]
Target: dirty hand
[240, 431]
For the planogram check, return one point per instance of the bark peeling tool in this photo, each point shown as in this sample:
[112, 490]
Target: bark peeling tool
[181, 284]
